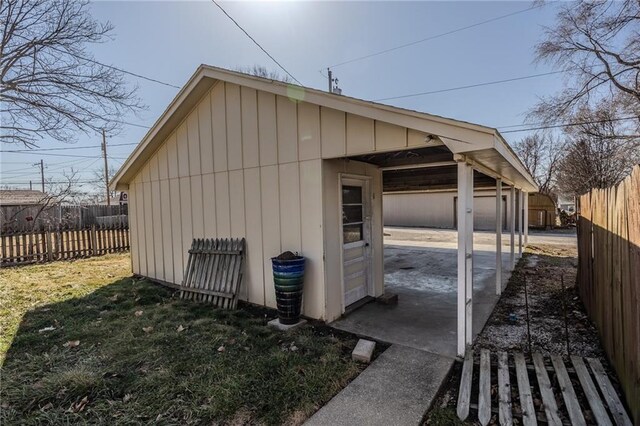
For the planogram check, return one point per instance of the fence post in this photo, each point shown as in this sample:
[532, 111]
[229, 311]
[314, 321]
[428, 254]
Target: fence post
[94, 241]
[48, 238]
[59, 243]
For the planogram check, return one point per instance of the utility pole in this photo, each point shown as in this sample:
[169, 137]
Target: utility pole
[106, 167]
[41, 164]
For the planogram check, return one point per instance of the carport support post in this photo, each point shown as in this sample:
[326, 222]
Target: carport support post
[520, 220]
[465, 254]
[499, 236]
[512, 226]
[526, 219]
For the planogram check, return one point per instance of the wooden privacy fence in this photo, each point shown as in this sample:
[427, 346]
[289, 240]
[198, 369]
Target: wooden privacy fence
[19, 248]
[609, 276]
[29, 218]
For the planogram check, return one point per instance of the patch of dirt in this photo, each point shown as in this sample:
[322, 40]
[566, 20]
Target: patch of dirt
[557, 320]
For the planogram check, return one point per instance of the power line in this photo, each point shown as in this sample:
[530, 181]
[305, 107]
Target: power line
[92, 163]
[21, 170]
[555, 126]
[542, 123]
[55, 170]
[470, 86]
[55, 155]
[142, 126]
[65, 148]
[54, 182]
[255, 42]
[154, 80]
[60, 155]
[115, 159]
[402, 46]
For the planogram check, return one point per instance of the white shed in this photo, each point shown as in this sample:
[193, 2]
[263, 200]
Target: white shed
[299, 169]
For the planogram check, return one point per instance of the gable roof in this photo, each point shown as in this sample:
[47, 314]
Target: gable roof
[458, 136]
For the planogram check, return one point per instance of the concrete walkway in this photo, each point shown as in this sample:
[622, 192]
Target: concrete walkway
[396, 389]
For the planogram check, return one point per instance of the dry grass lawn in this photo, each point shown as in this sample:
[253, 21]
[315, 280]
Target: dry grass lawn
[83, 342]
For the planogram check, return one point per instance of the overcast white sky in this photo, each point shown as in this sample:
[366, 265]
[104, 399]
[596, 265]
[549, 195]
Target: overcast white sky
[168, 40]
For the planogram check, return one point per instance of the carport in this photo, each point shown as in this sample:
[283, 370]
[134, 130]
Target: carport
[447, 281]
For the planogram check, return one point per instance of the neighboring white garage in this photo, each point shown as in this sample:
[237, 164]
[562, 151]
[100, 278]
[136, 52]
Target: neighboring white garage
[437, 209]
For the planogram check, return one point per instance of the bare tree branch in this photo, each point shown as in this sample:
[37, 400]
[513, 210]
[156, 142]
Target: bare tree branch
[597, 43]
[541, 154]
[49, 84]
[599, 153]
[262, 71]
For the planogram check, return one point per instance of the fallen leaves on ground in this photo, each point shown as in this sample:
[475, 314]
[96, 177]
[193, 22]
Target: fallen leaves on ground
[79, 406]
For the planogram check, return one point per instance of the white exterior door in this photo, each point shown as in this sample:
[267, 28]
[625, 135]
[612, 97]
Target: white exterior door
[356, 236]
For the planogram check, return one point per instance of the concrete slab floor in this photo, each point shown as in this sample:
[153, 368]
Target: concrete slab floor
[421, 267]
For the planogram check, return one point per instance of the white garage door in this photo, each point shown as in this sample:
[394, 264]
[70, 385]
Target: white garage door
[484, 213]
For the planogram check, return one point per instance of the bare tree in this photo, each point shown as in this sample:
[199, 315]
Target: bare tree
[597, 43]
[50, 85]
[262, 71]
[541, 153]
[599, 153]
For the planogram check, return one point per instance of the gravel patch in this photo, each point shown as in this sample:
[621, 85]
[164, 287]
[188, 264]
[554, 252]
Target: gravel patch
[544, 268]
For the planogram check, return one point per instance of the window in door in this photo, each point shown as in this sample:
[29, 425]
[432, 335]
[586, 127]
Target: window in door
[352, 214]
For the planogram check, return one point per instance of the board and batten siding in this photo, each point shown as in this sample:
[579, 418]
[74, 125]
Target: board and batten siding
[247, 163]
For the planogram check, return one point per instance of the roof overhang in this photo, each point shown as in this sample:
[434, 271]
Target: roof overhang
[478, 143]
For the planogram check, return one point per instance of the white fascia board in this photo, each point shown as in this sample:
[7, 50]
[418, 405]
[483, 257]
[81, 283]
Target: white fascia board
[508, 154]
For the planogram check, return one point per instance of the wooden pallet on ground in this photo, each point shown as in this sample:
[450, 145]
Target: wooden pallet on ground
[538, 390]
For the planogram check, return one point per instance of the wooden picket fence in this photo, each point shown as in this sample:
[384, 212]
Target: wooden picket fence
[20, 248]
[609, 276]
